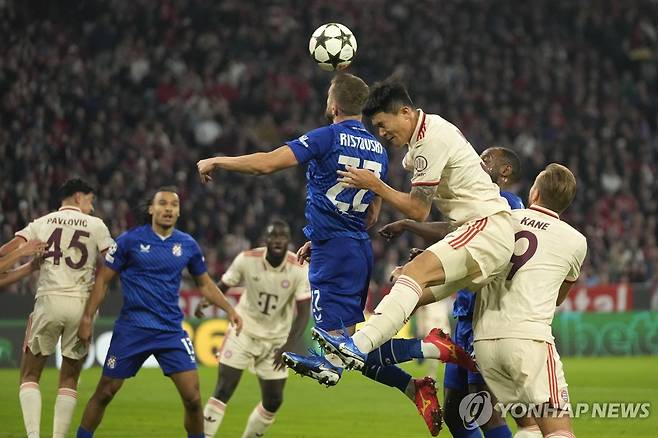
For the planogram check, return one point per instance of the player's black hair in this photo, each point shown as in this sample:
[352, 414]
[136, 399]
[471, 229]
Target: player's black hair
[73, 186]
[388, 97]
[143, 208]
[510, 157]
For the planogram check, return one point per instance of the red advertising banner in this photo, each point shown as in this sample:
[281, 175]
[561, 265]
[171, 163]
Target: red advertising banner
[601, 298]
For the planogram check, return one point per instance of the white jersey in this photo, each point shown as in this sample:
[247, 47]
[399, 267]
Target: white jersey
[440, 156]
[74, 241]
[521, 302]
[268, 304]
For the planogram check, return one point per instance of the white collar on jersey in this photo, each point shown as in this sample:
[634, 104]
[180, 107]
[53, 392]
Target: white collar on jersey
[419, 131]
[544, 210]
[69, 207]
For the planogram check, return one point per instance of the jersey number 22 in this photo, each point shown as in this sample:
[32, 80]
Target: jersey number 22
[336, 189]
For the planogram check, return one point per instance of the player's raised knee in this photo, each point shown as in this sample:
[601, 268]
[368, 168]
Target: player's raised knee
[272, 403]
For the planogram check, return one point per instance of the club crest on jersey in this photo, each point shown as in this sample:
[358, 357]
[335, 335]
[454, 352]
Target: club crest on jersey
[285, 284]
[177, 250]
[111, 362]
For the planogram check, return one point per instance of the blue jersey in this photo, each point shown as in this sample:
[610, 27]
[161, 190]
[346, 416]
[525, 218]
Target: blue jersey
[150, 269]
[332, 210]
[465, 302]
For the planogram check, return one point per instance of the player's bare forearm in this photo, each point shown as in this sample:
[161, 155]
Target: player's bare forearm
[373, 212]
[103, 278]
[10, 246]
[415, 205]
[212, 293]
[300, 322]
[7, 278]
[259, 163]
[565, 288]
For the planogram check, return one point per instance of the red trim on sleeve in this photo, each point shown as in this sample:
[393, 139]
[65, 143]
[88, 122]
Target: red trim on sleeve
[425, 183]
[22, 237]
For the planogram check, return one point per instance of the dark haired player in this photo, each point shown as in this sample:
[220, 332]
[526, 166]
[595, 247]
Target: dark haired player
[150, 260]
[73, 239]
[275, 309]
[338, 218]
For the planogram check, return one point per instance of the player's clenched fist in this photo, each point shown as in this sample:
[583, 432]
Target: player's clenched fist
[84, 331]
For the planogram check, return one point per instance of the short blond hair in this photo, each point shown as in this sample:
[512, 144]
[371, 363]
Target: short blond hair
[556, 187]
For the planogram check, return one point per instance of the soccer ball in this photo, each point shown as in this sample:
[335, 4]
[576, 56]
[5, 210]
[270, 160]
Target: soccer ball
[332, 46]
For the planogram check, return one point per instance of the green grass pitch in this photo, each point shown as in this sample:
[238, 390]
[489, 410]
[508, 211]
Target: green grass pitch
[148, 406]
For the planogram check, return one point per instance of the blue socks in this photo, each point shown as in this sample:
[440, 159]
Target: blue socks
[191, 435]
[499, 432]
[460, 432]
[83, 433]
[379, 362]
[395, 351]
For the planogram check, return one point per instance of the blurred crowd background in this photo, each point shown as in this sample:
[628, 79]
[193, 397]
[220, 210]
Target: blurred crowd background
[130, 94]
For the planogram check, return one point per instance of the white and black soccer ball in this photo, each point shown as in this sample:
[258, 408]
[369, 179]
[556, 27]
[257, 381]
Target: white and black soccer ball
[332, 46]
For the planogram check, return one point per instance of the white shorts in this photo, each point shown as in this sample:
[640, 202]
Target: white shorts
[55, 316]
[474, 254]
[522, 371]
[244, 351]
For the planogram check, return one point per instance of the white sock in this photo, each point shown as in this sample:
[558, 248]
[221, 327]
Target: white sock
[213, 414]
[528, 432]
[390, 315]
[30, 398]
[64, 409]
[429, 350]
[259, 421]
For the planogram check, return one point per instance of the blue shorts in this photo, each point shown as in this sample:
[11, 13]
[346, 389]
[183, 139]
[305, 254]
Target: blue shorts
[456, 377]
[131, 346]
[340, 277]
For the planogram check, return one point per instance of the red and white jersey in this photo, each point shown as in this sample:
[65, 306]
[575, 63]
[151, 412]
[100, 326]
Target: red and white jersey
[441, 157]
[268, 304]
[521, 302]
[74, 241]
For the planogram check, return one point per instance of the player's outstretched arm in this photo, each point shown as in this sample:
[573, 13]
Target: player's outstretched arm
[7, 278]
[373, 212]
[212, 293]
[430, 231]
[415, 205]
[260, 163]
[103, 278]
[296, 331]
[15, 249]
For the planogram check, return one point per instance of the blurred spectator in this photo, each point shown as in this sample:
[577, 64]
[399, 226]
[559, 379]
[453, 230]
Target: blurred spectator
[130, 94]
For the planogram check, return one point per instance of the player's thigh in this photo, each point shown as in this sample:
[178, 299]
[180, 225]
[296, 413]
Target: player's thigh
[237, 351]
[339, 276]
[264, 361]
[129, 348]
[494, 370]
[71, 345]
[476, 251]
[45, 325]
[187, 384]
[174, 352]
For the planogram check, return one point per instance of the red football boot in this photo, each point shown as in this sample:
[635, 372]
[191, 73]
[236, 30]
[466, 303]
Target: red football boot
[428, 404]
[449, 351]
